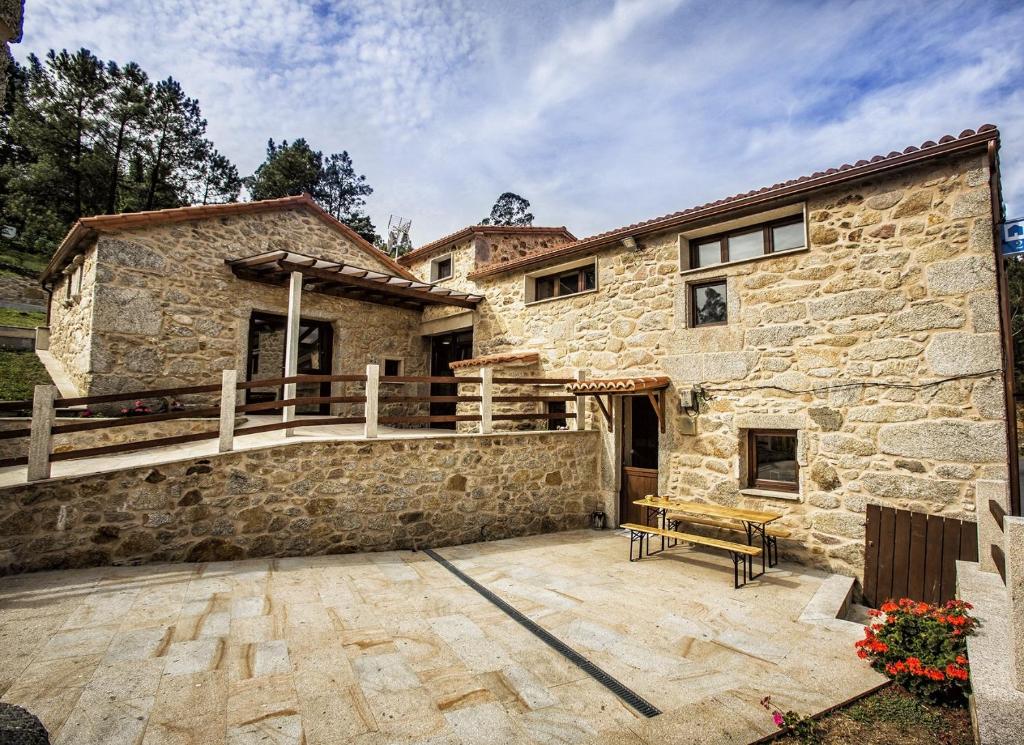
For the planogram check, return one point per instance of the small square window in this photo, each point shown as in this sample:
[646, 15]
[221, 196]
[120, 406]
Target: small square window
[441, 269]
[771, 456]
[392, 368]
[708, 304]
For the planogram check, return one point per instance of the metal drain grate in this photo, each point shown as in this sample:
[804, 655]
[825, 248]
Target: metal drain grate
[631, 697]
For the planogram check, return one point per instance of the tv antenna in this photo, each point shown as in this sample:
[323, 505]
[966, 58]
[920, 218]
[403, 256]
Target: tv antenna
[398, 236]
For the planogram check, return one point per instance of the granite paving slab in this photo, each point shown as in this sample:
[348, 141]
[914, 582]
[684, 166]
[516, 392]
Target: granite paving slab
[375, 649]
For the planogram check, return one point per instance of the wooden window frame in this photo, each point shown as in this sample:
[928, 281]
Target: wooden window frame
[556, 277]
[435, 263]
[767, 237]
[691, 302]
[755, 483]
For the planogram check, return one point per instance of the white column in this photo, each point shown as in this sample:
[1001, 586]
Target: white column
[41, 435]
[486, 392]
[228, 398]
[371, 406]
[581, 408]
[291, 344]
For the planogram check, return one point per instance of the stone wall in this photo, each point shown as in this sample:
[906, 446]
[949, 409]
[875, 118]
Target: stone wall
[168, 312]
[897, 285]
[15, 288]
[62, 443]
[495, 248]
[303, 499]
[72, 323]
[11, 15]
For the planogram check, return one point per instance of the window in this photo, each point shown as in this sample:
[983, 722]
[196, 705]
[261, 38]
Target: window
[709, 303]
[392, 367]
[786, 234]
[556, 407]
[771, 460]
[560, 284]
[441, 268]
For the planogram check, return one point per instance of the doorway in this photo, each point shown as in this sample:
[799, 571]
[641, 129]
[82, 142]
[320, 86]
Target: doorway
[639, 457]
[445, 349]
[267, 335]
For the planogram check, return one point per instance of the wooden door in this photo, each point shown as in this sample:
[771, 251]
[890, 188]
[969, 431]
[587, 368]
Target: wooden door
[443, 351]
[639, 457]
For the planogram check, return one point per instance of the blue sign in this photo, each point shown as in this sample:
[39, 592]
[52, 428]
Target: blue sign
[1013, 237]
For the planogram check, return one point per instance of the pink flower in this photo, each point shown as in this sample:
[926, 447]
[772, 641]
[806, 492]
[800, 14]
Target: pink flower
[777, 718]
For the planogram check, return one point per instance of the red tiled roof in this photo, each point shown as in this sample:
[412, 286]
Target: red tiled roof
[496, 359]
[429, 248]
[86, 227]
[620, 385]
[846, 172]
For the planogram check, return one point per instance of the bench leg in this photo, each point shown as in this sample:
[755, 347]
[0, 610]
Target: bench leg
[773, 551]
[737, 560]
[752, 530]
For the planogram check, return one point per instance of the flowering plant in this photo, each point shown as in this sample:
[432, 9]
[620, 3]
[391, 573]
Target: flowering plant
[136, 409]
[803, 728]
[922, 646]
[86, 413]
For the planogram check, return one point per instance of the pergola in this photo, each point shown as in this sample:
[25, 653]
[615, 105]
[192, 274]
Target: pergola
[339, 279]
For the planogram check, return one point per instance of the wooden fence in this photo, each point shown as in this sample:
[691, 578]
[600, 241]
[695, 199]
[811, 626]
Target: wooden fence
[46, 402]
[913, 555]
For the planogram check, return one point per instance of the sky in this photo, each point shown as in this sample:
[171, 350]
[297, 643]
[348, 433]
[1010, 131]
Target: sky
[600, 112]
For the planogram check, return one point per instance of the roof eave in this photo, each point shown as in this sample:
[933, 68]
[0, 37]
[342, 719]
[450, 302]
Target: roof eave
[798, 188]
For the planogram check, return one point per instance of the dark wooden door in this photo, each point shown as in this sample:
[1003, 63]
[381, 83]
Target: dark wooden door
[444, 350]
[914, 554]
[639, 457]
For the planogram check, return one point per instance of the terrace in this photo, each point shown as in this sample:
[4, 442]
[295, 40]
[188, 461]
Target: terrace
[393, 647]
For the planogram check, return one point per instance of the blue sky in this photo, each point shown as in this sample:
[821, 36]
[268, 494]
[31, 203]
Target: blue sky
[601, 113]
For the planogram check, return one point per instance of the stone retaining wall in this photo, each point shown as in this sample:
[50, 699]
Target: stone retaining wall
[306, 498]
[15, 288]
[98, 437]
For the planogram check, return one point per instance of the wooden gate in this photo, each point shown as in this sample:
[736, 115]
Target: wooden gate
[913, 555]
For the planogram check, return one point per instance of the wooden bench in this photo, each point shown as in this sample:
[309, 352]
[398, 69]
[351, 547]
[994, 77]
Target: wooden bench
[739, 552]
[772, 534]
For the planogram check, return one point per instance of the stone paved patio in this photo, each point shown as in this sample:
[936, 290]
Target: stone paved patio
[392, 648]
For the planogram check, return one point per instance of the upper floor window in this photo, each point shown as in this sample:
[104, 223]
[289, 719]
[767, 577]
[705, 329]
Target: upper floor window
[748, 242]
[562, 282]
[441, 268]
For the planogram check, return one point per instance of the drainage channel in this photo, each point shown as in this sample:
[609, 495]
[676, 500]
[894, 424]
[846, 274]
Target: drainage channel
[629, 696]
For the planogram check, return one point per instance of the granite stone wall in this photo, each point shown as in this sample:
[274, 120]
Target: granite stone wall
[18, 447]
[160, 308]
[843, 342]
[305, 499]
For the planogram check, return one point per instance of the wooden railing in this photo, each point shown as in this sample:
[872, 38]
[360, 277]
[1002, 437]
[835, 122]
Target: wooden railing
[45, 404]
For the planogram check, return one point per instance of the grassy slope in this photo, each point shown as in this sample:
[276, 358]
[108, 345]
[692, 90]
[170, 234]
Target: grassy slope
[25, 264]
[22, 319]
[19, 373]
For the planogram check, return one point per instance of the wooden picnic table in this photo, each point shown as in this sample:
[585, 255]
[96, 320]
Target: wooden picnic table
[754, 522]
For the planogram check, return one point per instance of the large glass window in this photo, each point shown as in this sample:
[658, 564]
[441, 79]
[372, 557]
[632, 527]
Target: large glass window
[560, 284]
[708, 303]
[772, 462]
[786, 234]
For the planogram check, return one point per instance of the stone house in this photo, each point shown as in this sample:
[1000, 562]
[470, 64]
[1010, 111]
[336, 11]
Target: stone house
[814, 346]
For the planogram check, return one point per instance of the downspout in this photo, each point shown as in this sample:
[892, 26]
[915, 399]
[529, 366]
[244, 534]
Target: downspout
[1005, 328]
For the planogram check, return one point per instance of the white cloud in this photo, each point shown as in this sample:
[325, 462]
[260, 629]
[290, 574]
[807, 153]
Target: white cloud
[601, 113]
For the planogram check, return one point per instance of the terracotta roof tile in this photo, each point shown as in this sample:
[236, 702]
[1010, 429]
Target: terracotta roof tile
[429, 248]
[966, 139]
[620, 385]
[496, 359]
